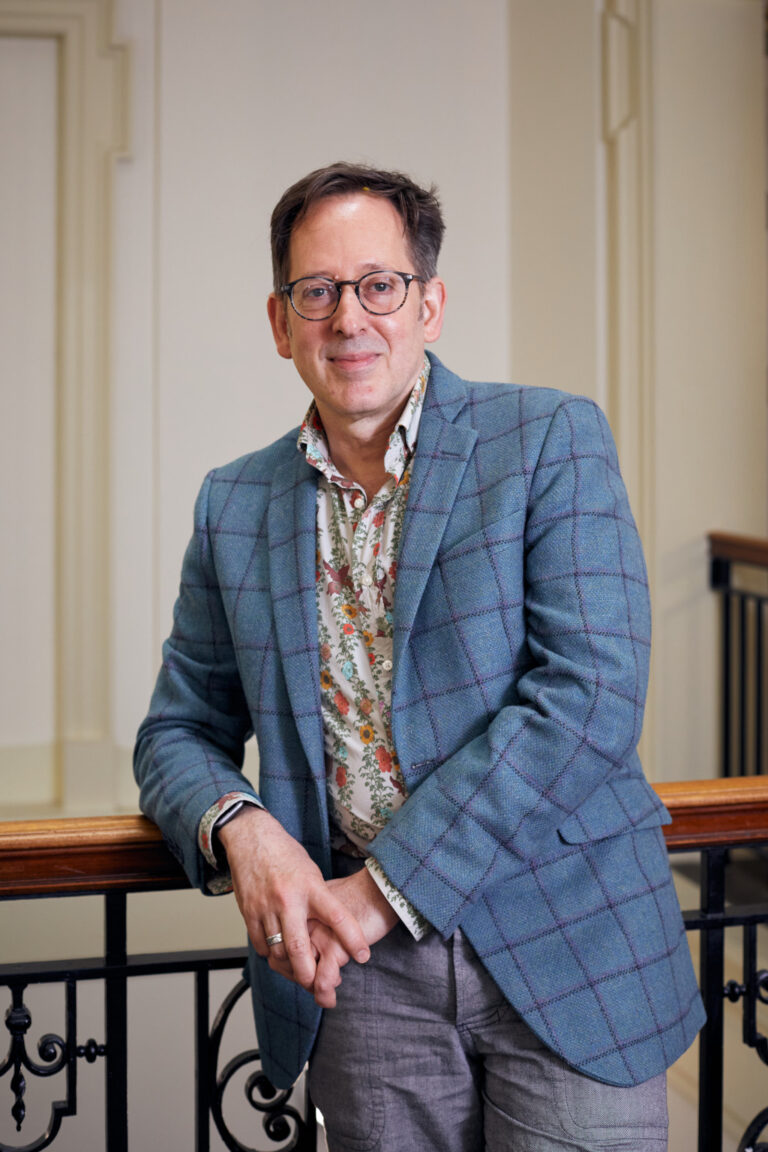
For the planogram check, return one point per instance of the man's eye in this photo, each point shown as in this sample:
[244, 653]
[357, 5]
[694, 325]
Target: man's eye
[381, 286]
[315, 292]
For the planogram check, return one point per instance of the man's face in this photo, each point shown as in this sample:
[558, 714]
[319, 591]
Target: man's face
[359, 367]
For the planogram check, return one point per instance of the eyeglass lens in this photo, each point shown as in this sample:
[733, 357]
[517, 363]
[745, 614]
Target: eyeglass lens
[379, 292]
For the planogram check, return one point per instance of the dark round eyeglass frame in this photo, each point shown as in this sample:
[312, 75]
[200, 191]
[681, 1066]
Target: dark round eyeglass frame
[407, 277]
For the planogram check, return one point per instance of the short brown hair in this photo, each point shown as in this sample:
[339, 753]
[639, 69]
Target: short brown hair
[418, 208]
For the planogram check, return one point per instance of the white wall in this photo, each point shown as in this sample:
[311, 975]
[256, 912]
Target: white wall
[211, 158]
[500, 104]
[421, 86]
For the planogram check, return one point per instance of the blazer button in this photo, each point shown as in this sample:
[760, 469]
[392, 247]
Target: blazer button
[386, 665]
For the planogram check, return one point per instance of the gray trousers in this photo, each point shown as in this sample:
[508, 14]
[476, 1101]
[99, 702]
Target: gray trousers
[424, 1053]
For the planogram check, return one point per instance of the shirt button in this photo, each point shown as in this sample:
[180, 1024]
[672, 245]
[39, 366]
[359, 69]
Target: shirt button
[367, 579]
[386, 665]
[358, 501]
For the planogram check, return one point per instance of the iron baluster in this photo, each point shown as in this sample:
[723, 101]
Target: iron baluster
[712, 964]
[759, 702]
[743, 684]
[720, 579]
[202, 1069]
[116, 1014]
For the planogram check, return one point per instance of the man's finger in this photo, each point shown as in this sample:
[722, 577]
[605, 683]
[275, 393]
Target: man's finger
[274, 940]
[331, 959]
[297, 948]
[283, 967]
[328, 909]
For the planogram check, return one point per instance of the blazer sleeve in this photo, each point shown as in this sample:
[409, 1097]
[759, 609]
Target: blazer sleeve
[480, 816]
[190, 748]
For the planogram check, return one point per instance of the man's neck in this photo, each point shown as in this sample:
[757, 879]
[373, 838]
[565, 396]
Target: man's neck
[358, 453]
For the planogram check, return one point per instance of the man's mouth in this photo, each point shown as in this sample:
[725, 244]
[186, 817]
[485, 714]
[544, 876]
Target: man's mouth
[354, 359]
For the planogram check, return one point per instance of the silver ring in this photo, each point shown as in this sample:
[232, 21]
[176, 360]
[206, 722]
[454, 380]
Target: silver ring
[276, 939]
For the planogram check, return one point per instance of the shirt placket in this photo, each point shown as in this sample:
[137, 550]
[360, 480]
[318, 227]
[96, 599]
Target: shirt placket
[367, 574]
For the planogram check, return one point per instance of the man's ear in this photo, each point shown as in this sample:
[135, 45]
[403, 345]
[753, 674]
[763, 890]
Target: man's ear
[278, 318]
[433, 308]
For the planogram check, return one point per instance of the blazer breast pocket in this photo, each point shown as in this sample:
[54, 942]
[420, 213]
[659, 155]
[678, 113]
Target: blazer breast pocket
[501, 533]
[483, 571]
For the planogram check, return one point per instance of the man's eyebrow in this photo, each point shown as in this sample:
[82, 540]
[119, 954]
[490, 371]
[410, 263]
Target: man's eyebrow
[368, 266]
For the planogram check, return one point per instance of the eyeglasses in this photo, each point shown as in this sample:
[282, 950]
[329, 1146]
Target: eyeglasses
[380, 293]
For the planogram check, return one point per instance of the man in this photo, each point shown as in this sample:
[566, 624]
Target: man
[429, 605]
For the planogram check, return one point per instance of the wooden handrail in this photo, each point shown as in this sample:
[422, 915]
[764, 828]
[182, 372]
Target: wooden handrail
[127, 853]
[713, 812]
[739, 549]
[90, 854]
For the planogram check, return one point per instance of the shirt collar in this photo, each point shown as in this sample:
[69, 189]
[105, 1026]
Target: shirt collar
[402, 441]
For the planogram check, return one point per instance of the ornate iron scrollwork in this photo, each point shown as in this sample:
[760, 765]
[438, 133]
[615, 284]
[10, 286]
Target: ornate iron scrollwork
[281, 1120]
[55, 1054]
[752, 991]
[755, 1129]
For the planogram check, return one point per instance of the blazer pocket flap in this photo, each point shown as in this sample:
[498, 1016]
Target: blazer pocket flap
[619, 806]
[499, 533]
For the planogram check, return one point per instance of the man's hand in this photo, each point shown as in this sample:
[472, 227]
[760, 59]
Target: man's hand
[279, 888]
[360, 894]
[372, 911]
[363, 898]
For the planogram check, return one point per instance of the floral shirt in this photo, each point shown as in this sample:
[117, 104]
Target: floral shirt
[357, 549]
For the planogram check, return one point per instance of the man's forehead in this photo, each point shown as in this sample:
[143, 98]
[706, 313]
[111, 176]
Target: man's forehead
[349, 205]
[345, 225]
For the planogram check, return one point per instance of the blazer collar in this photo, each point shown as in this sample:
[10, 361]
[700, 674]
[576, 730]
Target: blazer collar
[442, 453]
[292, 529]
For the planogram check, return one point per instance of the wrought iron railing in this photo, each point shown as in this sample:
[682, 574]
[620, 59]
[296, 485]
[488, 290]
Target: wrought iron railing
[118, 855]
[712, 817]
[112, 857]
[744, 708]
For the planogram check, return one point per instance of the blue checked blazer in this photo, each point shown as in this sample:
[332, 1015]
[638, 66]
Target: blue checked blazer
[521, 651]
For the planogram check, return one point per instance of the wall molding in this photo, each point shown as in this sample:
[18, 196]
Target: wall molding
[93, 129]
[627, 112]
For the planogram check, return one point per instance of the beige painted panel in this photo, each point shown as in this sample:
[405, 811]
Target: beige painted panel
[28, 142]
[28, 779]
[554, 82]
[134, 655]
[710, 320]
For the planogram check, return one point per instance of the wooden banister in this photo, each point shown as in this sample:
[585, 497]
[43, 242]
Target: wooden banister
[738, 549]
[89, 854]
[127, 853]
[729, 811]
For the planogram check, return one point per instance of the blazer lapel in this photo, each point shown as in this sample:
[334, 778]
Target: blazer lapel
[442, 454]
[292, 565]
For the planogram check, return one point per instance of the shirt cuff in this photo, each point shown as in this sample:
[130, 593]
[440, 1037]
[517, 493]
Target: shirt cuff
[413, 920]
[218, 813]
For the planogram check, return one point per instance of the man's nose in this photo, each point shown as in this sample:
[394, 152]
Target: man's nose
[350, 315]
